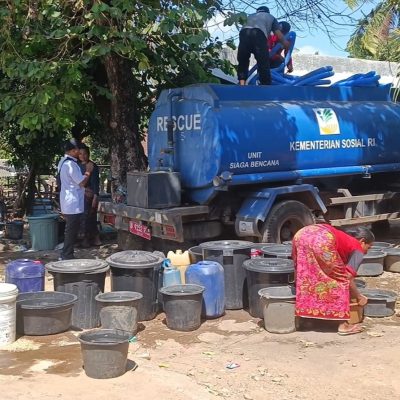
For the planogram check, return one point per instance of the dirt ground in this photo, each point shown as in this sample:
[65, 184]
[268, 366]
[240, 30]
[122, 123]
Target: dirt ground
[310, 364]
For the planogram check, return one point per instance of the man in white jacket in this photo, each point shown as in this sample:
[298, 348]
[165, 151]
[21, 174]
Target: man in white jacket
[72, 195]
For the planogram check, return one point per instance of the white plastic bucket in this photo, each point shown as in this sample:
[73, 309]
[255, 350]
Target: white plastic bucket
[8, 307]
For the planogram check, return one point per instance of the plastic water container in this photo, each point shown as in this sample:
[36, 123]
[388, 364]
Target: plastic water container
[43, 230]
[171, 276]
[278, 308]
[230, 254]
[104, 352]
[27, 275]
[182, 306]
[264, 272]
[195, 254]
[138, 271]
[180, 260]
[209, 274]
[119, 310]
[8, 311]
[85, 279]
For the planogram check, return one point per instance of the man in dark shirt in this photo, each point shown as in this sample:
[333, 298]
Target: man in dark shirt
[253, 39]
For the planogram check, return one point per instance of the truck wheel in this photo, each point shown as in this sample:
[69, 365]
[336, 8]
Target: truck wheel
[284, 220]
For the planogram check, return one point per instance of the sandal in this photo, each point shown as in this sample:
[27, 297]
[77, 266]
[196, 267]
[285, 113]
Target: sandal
[352, 331]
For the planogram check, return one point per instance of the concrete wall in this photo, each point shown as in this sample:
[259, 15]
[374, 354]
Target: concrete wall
[343, 67]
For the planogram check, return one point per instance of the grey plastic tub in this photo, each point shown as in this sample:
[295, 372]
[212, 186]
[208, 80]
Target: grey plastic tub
[381, 246]
[278, 251]
[182, 306]
[44, 313]
[381, 303]
[119, 310]
[372, 264]
[278, 308]
[104, 352]
[392, 260]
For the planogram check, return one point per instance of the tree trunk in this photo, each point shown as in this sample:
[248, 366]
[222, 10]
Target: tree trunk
[126, 149]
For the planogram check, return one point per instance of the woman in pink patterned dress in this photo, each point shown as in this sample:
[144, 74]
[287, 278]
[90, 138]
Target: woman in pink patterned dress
[326, 261]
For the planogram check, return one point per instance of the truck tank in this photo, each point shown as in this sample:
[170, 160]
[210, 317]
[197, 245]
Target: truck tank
[235, 135]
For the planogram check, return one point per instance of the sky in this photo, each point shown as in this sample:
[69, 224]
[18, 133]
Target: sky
[306, 42]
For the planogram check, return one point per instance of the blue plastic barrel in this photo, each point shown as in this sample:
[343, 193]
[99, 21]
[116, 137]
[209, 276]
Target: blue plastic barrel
[27, 275]
[209, 274]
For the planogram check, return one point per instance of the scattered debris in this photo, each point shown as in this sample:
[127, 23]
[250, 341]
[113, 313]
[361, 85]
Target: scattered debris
[374, 334]
[133, 339]
[232, 365]
[162, 365]
[247, 396]
[209, 353]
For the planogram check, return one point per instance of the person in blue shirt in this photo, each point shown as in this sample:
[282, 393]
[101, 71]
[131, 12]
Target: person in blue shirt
[253, 40]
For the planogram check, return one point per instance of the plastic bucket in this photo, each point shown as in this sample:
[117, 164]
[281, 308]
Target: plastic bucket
[138, 271]
[119, 310]
[372, 264]
[195, 254]
[265, 272]
[43, 230]
[392, 260]
[104, 352]
[279, 308]
[44, 313]
[231, 254]
[14, 230]
[277, 251]
[8, 297]
[182, 306]
[85, 279]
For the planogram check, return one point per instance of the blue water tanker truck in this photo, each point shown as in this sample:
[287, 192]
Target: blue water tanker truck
[260, 162]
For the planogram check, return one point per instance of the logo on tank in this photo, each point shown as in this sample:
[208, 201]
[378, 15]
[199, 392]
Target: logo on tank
[327, 121]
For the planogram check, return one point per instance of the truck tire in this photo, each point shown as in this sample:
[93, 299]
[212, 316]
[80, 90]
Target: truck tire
[284, 220]
[380, 228]
[128, 241]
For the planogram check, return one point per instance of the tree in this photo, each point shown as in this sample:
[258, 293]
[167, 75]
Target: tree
[377, 35]
[64, 63]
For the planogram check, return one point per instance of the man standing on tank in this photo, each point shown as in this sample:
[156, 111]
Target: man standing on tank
[253, 40]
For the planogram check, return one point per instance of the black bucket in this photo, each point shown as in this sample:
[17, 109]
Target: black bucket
[119, 310]
[14, 230]
[104, 352]
[182, 306]
[44, 313]
[230, 254]
[265, 272]
[84, 278]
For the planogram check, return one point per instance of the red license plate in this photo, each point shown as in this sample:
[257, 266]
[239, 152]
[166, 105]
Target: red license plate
[169, 231]
[139, 229]
[109, 219]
